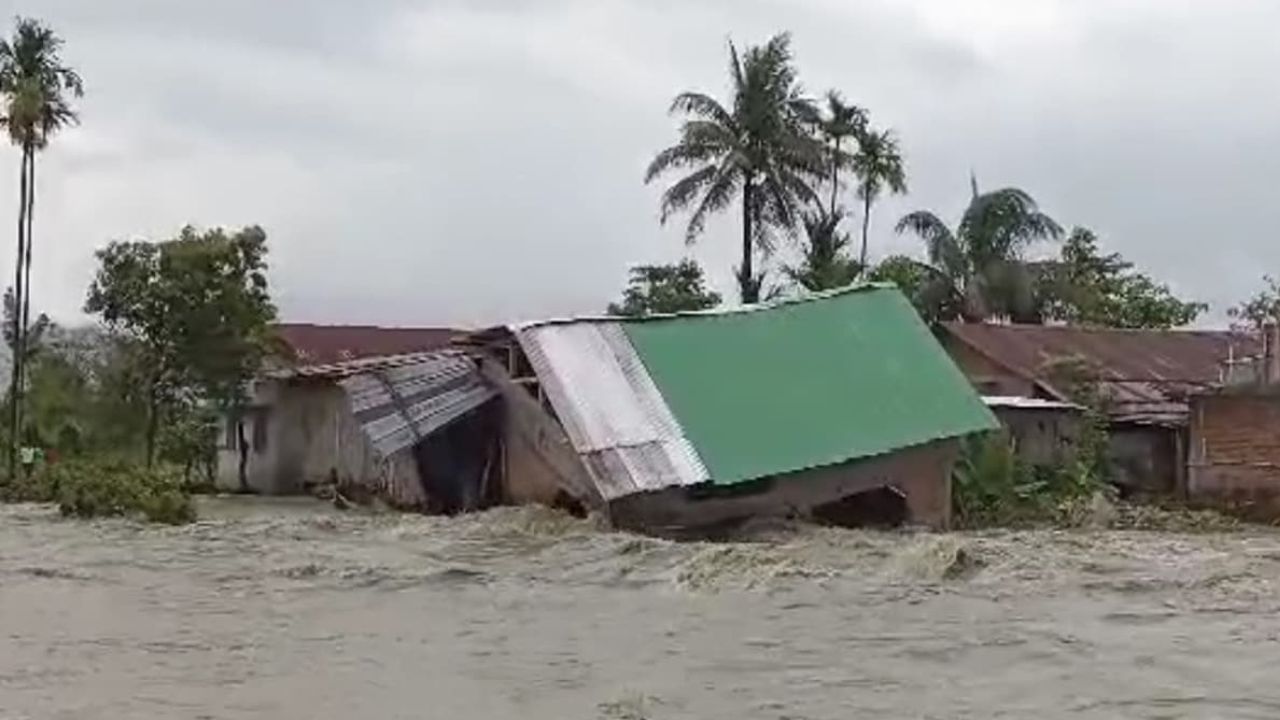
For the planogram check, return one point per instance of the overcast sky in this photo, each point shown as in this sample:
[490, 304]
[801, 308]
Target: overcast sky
[477, 161]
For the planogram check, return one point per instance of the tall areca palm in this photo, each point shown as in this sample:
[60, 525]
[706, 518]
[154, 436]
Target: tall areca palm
[758, 148]
[978, 266]
[825, 264]
[839, 123]
[879, 167]
[36, 88]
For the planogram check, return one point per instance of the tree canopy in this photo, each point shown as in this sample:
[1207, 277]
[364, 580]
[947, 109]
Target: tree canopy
[196, 307]
[657, 289]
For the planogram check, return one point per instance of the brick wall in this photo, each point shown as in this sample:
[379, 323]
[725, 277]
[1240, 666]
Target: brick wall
[1234, 453]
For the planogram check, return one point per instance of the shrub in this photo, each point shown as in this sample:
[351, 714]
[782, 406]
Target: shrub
[992, 486]
[112, 488]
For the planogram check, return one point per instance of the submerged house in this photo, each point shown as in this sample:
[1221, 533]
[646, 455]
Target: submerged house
[1145, 379]
[821, 407]
[785, 408]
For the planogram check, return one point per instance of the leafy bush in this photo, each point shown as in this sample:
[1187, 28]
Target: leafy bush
[106, 488]
[992, 486]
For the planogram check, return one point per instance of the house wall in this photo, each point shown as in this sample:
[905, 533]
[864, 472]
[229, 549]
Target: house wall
[261, 461]
[1145, 458]
[1234, 449]
[922, 474]
[988, 377]
[1042, 436]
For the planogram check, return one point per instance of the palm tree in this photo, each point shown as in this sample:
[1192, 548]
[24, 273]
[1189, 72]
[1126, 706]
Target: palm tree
[759, 147]
[839, 123]
[978, 267]
[878, 165]
[36, 88]
[825, 264]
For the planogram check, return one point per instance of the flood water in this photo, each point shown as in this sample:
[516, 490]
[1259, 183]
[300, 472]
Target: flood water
[294, 610]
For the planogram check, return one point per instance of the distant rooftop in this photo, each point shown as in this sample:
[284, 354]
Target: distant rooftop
[327, 344]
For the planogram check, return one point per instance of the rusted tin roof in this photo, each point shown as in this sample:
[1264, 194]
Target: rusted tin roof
[610, 409]
[399, 404]
[326, 344]
[1145, 374]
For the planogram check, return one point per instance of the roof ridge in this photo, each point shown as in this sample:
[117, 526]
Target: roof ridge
[856, 287]
[1033, 327]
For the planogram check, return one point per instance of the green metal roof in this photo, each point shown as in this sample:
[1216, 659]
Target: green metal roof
[850, 374]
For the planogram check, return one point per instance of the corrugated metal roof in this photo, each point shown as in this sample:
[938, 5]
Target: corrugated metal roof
[326, 344]
[347, 368]
[610, 408]
[399, 404]
[1145, 374]
[846, 375]
[1026, 403]
[728, 397]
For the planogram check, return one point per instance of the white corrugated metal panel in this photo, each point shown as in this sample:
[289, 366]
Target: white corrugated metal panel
[1026, 403]
[398, 406]
[610, 408]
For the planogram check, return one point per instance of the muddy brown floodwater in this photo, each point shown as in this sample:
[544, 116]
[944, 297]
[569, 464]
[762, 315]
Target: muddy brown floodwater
[292, 610]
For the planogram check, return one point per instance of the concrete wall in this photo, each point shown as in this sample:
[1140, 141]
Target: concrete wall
[1234, 450]
[1042, 436]
[922, 474]
[313, 439]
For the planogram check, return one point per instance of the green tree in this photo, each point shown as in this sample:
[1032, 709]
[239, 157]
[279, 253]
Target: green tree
[839, 123]
[759, 148]
[1262, 308]
[658, 289]
[197, 310]
[825, 264]
[978, 267]
[928, 290]
[879, 167]
[1086, 287]
[36, 88]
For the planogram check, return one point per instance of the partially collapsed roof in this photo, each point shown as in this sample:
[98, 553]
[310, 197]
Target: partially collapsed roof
[1146, 374]
[733, 396]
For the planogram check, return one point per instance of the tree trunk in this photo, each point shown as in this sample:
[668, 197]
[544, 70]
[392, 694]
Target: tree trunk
[835, 176]
[866, 224]
[15, 417]
[26, 273]
[747, 280]
[242, 443]
[153, 426]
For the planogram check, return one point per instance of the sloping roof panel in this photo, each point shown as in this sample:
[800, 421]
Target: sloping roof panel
[610, 408]
[398, 405]
[1146, 374]
[825, 380]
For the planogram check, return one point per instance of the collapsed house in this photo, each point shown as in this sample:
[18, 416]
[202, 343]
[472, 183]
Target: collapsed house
[1144, 380]
[812, 407]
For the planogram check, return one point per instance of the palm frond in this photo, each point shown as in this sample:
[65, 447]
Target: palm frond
[701, 105]
[680, 195]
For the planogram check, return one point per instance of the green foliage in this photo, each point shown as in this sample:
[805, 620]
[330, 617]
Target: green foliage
[1257, 311]
[825, 264]
[879, 166]
[657, 289]
[759, 148]
[107, 488]
[977, 268]
[195, 309]
[1086, 287]
[991, 486]
[930, 294]
[35, 86]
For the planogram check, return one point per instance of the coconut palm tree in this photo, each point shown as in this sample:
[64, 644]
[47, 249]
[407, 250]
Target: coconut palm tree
[759, 147]
[825, 264]
[839, 123]
[879, 167]
[35, 88]
[978, 268]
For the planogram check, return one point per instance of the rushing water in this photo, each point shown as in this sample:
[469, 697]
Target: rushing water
[294, 610]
